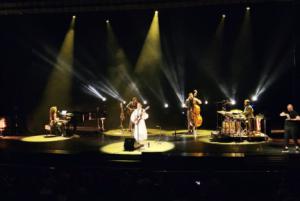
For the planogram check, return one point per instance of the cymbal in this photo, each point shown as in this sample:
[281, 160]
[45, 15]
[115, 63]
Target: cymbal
[239, 117]
[222, 112]
[236, 111]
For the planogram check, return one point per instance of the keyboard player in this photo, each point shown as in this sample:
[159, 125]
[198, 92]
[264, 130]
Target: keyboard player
[58, 125]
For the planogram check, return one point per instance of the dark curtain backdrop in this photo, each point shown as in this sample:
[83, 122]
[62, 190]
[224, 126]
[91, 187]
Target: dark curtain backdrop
[28, 42]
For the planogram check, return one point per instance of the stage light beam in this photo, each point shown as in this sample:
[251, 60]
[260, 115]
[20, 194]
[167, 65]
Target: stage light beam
[59, 87]
[119, 78]
[232, 102]
[166, 105]
[149, 62]
[150, 56]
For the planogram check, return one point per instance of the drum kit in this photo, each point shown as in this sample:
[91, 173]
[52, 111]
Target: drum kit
[236, 124]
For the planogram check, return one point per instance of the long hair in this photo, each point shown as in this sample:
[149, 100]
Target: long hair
[52, 112]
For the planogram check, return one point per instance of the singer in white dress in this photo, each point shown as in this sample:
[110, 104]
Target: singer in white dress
[138, 118]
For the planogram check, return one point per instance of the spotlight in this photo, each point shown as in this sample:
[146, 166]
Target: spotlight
[223, 16]
[254, 98]
[166, 105]
[107, 21]
[145, 102]
[248, 8]
[198, 183]
[183, 105]
[124, 102]
[104, 99]
[74, 16]
[232, 102]
[205, 102]
[156, 12]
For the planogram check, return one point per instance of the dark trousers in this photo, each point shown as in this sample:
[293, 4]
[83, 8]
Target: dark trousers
[290, 130]
[58, 129]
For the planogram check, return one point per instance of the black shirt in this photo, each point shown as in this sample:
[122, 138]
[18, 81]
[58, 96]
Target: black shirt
[290, 123]
[293, 114]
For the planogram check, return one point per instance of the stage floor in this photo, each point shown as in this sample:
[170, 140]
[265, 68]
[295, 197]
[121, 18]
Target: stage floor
[161, 145]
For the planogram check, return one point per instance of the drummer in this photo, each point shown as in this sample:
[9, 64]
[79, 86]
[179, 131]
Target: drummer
[249, 114]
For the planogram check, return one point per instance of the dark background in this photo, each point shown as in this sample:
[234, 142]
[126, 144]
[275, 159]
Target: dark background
[186, 35]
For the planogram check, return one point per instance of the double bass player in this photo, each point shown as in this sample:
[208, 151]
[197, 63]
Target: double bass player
[194, 118]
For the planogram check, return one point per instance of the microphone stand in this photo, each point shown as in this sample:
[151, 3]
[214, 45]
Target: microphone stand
[160, 133]
[224, 103]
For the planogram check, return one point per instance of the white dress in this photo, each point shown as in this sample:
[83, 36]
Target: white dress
[140, 129]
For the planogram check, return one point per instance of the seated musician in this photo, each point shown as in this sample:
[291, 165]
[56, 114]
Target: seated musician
[131, 106]
[57, 125]
[189, 103]
[249, 115]
[290, 126]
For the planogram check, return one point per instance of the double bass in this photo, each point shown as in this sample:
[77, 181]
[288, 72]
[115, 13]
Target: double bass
[196, 116]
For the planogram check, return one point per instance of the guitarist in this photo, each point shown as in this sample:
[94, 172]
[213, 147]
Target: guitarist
[290, 127]
[138, 118]
[130, 107]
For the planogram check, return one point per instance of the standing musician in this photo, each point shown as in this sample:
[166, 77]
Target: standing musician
[138, 118]
[190, 104]
[249, 114]
[131, 106]
[290, 126]
[248, 109]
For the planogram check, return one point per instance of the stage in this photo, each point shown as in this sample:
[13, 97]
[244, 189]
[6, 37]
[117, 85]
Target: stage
[163, 149]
